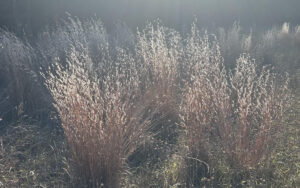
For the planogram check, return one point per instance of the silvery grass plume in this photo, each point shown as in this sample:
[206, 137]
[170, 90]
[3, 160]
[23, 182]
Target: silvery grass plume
[18, 77]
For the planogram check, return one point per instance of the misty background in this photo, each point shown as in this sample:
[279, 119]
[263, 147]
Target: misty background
[30, 16]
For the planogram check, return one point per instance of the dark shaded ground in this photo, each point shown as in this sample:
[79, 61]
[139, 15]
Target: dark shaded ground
[32, 156]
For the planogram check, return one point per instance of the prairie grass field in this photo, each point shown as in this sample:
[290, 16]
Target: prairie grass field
[81, 106]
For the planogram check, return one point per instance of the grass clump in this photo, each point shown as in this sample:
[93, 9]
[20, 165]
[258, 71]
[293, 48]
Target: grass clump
[236, 115]
[103, 121]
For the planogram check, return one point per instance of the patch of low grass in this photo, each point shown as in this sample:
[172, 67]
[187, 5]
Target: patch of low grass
[31, 156]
